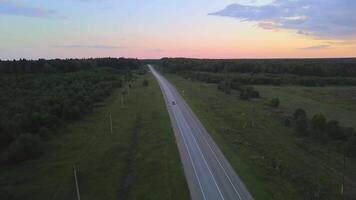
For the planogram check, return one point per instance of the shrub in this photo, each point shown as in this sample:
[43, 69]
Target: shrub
[299, 113]
[8, 132]
[255, 94]
[117, 84]
[236, 86]
[145, 83]
[249, 93]
[334, 130]
[274, 103]
[71, 113]
[225, 86]
[318, 122]
[244, 95]
[301, 126]
[287, 122]
[351, 145]
[44, 133]
[52, 121]
[349, 133]
[25, 147]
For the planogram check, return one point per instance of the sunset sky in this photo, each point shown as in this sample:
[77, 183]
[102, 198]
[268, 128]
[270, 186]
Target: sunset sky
[177, 28]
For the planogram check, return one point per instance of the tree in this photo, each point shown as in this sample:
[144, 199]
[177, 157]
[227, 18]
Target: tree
[274, 103]
[351, 143]
[71, 113]
[299, 113]
[244, 95]
[247, 93]
[44, 133]
[301, 126]
[117, 84]
[318, 122]
[22, 121]
[145, 83]
[334, 130]
[25, 147]
[287, 122]
[225, 86]
[35, 121]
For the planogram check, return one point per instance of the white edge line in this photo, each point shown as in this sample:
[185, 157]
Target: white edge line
[200, 132]
[186, 146]
[206, 163]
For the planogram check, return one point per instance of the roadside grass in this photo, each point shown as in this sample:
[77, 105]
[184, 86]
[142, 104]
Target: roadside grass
[337, 103]
[142, 144]
[266, 155]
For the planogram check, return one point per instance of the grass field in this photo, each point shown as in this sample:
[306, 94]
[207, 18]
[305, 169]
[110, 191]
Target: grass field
[337, 103]
[272, 162]
[139, 160]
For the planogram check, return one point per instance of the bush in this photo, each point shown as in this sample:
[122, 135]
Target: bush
[299, 113]
[117, 84]
[274, 103]
[145, 83]
[225, 86]
[249, 93]
[301, 126]
[71, 113]
[44, 133]
[236, 86]
[351, 145]
[8, 132]
[318, 122]
[287, 122]
[25, 147]
[244, 95]
[334, 130]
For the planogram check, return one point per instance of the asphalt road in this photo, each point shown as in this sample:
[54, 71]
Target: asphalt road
[208, 173]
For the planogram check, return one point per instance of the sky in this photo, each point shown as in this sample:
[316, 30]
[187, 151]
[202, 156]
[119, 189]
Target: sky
[35, 29]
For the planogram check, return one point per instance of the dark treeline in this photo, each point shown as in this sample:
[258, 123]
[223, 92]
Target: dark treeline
[34, 106]
[345, 67]
[268, 79]
[67, 65]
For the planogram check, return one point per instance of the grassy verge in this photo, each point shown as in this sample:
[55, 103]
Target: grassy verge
[268, 157]
[139, 160]
[337, 103]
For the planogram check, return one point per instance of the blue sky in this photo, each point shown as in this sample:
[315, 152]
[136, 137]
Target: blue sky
[191, 28]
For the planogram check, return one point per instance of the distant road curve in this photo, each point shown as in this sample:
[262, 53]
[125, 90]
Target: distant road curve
[208, 173]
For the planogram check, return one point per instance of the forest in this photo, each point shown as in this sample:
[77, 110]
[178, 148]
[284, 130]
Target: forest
[66, 65]
[38, 97]
[303, 67]
[306, 72]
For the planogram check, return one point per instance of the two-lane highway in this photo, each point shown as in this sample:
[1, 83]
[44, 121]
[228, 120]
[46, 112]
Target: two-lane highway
[208, 173]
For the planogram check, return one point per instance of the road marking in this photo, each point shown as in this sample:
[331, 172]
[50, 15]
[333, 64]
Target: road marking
[167, 90]
[206, 163]
[191, 159]
[173, 93]
[185, 144]
[228, 177]
[205, 140]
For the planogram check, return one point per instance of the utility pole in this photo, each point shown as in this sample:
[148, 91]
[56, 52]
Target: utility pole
[110, 124]
[344, 170]
[76, 181]
[122, 101]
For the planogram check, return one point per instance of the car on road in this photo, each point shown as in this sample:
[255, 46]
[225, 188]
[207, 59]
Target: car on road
[174, 103]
